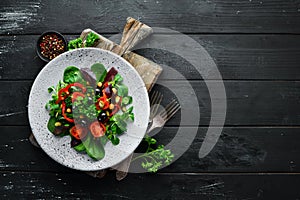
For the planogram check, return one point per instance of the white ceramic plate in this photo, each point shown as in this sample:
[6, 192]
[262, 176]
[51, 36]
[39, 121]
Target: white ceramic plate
[59, 148]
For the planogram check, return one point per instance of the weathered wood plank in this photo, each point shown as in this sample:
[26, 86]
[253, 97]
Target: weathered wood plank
[147, 69]
[237, 57]
[255, 149]
[270, 16]
[248, 102]
[174, 186]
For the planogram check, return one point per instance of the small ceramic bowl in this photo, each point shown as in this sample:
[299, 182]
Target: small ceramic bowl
[54, 35]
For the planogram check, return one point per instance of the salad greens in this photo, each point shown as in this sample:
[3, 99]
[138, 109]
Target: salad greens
[74, 44]
[72, 74]
[90, 114]
[100, 71]
[91, 38]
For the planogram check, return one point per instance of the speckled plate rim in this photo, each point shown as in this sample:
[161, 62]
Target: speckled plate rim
[146, 111]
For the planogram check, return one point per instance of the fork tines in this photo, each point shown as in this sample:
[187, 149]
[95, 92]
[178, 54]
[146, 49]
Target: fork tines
[170, 110]
[155, 101]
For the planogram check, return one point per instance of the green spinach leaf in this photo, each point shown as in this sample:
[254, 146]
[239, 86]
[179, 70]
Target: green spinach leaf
[94, 148]
[72, 74]
[122, 90]
[51, 124]
[80, 147]
[100, 71]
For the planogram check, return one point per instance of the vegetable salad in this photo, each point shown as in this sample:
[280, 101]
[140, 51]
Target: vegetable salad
[92, 106]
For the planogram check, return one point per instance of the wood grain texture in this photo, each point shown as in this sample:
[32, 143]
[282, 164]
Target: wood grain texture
[248, 102]
[248, 149]
[247, 57]
[255, 44]
[134, 32]
[147, 69]
[172, 186]
[234, 16]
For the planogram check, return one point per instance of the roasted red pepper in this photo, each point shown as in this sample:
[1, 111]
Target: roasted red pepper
[64, 92]
[75, 95]
[62, 95]
[105, 103]
[83, 89]
[63, 109]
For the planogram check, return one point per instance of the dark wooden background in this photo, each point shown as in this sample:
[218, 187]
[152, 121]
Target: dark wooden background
[256, 45]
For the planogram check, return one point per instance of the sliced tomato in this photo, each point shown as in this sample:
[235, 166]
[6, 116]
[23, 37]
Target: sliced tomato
[97, 129]
[78, 132]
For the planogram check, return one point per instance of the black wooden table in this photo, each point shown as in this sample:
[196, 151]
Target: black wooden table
[255, 44]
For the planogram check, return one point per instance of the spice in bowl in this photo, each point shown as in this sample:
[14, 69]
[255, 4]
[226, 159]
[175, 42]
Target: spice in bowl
[50, 45]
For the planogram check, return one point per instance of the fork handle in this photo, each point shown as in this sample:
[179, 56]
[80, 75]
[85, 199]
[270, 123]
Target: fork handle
[151, 128]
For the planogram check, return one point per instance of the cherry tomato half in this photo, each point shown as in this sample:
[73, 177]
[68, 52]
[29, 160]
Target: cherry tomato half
[97, 129]
[78, 132]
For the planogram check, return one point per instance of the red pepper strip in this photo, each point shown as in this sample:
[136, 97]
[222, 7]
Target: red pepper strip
[77, 85]
[75, 95]
[61, 95]
[104, 101]
[106, 105]
[66, 91]
[116, 109]
[64, 113]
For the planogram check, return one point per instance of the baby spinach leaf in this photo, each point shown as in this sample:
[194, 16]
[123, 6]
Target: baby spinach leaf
[103, 140]
[122, 90]
[94, 148]
[72, 74]
[51, 124]
[80, 147]
[100, 71]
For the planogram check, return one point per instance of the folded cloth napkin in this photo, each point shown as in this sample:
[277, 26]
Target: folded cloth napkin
[134, 32]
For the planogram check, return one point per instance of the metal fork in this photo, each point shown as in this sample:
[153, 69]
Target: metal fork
[161, 118]
[155, 101]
